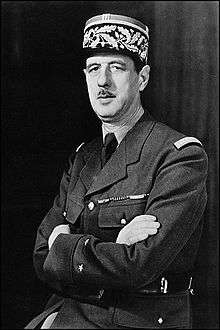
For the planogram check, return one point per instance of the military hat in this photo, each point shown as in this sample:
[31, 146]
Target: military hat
[117, 34]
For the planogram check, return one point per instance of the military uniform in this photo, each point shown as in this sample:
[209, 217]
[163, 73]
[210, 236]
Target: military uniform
[155, 170]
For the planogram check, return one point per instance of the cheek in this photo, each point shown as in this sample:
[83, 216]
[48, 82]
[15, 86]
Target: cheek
[125, 92]
[126, 85]
[122, 87]
[91, 90]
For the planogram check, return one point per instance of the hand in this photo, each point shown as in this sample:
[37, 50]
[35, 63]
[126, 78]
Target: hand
[61, 229]
[138, 229]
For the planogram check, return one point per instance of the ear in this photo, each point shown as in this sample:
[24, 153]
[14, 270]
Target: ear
[144, 77]
[85, 74]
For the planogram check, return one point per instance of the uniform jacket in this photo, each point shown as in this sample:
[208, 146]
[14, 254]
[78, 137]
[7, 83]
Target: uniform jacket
[166, 181]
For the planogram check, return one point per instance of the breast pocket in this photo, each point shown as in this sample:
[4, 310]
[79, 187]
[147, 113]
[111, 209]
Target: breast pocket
[119, 213]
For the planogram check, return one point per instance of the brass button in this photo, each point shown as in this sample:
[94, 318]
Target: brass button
[91, 206]
[123, 221]
[160, 320]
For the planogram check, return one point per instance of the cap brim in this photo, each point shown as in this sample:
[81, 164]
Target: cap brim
[89, 52]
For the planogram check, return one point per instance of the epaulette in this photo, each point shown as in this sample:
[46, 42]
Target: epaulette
[77, 149]
[186, 141]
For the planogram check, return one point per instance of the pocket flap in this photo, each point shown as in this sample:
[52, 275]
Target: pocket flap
[152, 312]
[111, 214]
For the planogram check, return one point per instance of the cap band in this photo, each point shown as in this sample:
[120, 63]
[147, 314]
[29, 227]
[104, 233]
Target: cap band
[117, 19]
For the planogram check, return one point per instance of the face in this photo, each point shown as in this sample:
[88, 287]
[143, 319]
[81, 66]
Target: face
[113, 86]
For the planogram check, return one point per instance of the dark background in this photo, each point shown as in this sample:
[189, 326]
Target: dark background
[46, 114]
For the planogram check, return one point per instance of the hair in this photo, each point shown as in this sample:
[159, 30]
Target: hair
[138, 65]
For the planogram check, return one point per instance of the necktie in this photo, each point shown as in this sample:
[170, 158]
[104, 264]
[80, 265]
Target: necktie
[109, 146]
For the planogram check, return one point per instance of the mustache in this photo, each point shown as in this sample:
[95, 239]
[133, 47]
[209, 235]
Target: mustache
[105, 93]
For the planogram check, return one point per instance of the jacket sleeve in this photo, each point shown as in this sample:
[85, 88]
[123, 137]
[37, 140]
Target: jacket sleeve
[53, 218]
[177, 199]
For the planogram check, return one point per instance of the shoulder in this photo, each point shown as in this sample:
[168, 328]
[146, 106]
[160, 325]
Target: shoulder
[169, 145]
[165, 134]
[171, 138]
[170, 148]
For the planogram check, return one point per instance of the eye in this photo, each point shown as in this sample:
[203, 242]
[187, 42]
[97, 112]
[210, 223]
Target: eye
[116, 68]
[93, 69]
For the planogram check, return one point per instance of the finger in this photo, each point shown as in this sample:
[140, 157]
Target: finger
[152, 231]
[145, 217]
[137, 237]
[142, 225]
[149, 217]
[145, 231]
[145, 224]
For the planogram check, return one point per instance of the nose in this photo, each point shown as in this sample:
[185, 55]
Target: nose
[104, 78]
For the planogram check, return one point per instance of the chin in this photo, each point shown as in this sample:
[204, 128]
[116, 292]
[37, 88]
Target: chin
[105, 117]
[106, 114]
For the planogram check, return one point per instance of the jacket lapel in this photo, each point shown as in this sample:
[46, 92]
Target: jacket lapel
[92, 167]
[115, 169]
[90, 170]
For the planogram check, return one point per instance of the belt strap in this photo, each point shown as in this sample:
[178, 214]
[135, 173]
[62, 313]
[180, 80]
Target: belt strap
[169, 284]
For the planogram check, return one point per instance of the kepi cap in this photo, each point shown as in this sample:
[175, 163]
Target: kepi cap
[116, 33]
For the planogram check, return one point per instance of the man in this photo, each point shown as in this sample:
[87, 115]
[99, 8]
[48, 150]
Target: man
[119, 244]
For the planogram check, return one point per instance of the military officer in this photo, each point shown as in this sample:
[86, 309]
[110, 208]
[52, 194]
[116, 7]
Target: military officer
[119, 243]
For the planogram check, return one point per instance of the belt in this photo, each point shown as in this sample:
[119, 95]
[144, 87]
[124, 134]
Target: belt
[163, 285]
[169, 284]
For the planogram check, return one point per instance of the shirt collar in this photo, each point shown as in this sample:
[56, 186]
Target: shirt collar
[122, 129]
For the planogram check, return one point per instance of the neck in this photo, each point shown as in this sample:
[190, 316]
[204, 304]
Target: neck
[121, 127]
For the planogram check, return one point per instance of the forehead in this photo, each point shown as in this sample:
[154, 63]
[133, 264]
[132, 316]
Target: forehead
[109, 58]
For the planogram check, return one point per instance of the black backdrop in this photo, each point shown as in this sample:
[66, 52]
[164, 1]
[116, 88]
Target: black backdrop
[46, 114]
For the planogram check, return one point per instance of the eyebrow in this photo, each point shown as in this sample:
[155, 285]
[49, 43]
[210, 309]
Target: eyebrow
[112, 62]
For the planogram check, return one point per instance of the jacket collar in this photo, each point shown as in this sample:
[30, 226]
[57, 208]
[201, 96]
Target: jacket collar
[96, 179]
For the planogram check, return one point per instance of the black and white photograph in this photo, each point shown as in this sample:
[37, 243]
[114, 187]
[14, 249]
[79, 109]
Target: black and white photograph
[110, 172]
